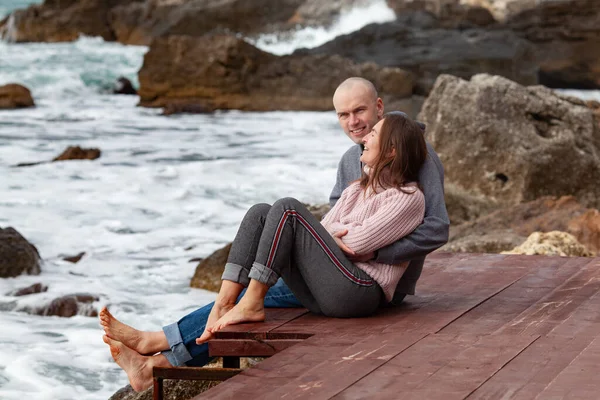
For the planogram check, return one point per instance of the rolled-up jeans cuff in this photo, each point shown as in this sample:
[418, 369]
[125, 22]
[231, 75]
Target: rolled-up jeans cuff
[179, 354]
[236, 273]
[263, 274]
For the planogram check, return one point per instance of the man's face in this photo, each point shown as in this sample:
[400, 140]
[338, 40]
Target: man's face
[357, 112]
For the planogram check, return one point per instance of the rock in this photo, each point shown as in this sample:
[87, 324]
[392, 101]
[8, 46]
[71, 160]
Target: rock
[15, 96]
[508, 227]
[553, 243]
[74, 259]
[454, 14]
[33, 289]
[124, 86]
[17, 255]
[172, 108]
[66, 306]
[513, 143]
[324, 13]
[566, 35]
[419, 43]
[62, 21]
[237, 75]
[173, 390]
[208, 273]
[463, 206]
[78, 153]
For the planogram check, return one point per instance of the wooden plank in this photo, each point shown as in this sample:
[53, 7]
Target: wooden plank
[534, 369]
[275, 317]
[342, 369]
[249, 347]
[545, 275]
[578, 381]
[556, 307]
[439, 367]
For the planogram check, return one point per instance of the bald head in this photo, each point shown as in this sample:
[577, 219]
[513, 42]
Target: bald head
[355, 86]
[358, 107]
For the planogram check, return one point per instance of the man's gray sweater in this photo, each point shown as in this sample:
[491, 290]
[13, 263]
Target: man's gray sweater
[430, 235]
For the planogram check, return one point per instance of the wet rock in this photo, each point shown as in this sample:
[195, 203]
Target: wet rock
[124, 86]
[513, 143]
[172, 108]
[566, 36]
[237, 75]
[208, 272]
[78, 153]
[74, 259]
[419, 42]
[66, 306]
[33, 289]
[553, 243]
[17, 255]
[62, 21]
[15, 96]
[508, 227]
[173, 390]
[450, 13]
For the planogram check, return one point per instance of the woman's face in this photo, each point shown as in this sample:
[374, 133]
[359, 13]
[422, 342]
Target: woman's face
[372, 148]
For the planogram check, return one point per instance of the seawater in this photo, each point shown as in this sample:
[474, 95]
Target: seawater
[165, 190]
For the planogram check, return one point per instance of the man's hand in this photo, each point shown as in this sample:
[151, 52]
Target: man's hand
[362, 257]
[337, 236]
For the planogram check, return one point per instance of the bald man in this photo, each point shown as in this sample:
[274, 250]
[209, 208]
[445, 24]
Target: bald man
[359, 108]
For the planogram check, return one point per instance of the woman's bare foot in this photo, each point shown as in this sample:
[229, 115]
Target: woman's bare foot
[219, 309]
[142, 342]
[137, 367]
[244, 311]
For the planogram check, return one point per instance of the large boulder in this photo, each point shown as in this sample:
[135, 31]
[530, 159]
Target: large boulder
[17, 255]
[419, 42]
[566, 35]
[508, 227]
[513, 143]
[15, 96]
[225, 72]
[60, 21]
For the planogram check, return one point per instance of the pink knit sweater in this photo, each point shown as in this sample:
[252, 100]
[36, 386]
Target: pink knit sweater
[374, 222]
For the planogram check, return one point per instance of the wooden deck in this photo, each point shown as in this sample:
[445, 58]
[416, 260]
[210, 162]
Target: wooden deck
[483, 326]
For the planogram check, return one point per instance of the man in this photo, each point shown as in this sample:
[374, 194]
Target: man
[358, 108]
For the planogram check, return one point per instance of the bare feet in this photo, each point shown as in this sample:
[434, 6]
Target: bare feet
[219, 309]
[137, 367]
[244, 311]
[142, 342]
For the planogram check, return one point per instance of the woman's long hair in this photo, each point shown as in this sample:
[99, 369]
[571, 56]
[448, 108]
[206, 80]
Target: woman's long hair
[407, 138]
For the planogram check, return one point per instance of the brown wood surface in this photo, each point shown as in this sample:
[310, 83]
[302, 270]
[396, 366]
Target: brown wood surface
[482, 326]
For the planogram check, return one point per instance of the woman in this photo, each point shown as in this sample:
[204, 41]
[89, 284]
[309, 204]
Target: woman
[285, 240]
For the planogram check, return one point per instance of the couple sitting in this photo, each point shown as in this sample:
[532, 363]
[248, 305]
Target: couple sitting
[387, 213]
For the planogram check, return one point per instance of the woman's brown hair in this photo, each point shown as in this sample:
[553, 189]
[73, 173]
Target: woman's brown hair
[404, 135]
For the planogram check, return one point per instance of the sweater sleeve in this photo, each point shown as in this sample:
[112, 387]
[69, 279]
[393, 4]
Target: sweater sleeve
[396, 217]
[332, 218]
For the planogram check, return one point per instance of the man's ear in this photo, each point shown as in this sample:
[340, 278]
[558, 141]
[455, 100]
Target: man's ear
[379, 108]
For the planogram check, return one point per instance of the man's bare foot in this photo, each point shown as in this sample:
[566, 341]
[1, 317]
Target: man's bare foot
[219, 309]
[137, 367]
[140, 341]
[244, 311]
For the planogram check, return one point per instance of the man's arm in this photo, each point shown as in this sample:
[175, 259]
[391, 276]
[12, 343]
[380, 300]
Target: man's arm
[433, 232]
[348, 171]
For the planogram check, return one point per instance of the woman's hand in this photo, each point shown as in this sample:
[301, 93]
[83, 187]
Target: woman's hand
[352, 256]
[337, 236]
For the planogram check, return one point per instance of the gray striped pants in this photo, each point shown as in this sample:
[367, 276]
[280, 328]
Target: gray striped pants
[285, 240]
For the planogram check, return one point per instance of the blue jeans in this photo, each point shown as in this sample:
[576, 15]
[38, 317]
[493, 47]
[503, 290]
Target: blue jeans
[182, 335]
